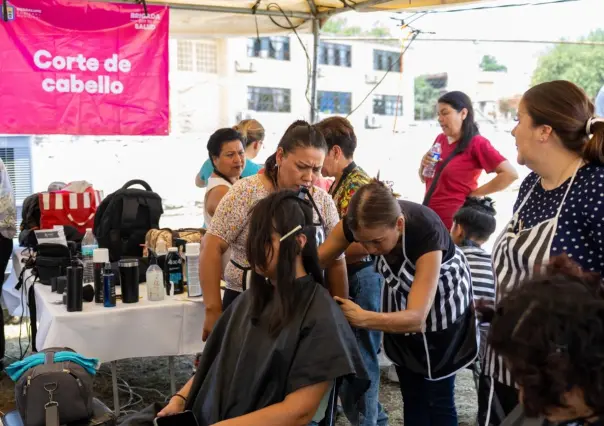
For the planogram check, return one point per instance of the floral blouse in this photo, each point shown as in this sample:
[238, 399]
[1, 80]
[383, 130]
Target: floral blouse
[231, 218]
[353, 178]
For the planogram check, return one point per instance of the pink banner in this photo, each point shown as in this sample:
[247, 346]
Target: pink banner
[84, 68]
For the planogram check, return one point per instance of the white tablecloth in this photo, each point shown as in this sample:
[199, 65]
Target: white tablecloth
[11, 297]
[169, 327]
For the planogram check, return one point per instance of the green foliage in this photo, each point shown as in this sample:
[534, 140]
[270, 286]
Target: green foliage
[583, 65]
[426, 97]
[489, 63]
[338, 26]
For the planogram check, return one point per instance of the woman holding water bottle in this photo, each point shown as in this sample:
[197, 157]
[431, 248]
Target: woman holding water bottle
[458, 156]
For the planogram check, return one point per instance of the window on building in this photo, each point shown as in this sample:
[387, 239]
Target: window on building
[196, 56]
[335, 54]
[387, 105]
[334, 102]
[269, 47]
[268, 99]
[383, 60]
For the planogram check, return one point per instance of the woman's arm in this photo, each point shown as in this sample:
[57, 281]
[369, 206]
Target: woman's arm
[210, 271]
[213, 198]
[419, 302]
[335, 244]
[297, 409]
[177, 403]
[199, 182]
[355, 253]
[337, 278]
[506, 175]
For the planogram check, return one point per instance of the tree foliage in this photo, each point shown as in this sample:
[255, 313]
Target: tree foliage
[340, 26]
[583, 65]
[489, 63]
[426, 97]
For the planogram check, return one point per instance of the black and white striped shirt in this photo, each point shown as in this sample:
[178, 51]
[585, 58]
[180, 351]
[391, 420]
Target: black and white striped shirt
[481, 268]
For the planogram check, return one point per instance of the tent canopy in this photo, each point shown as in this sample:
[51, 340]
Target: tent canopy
[243, 17]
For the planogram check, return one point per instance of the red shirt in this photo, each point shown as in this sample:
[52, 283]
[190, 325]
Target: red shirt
[460, 177]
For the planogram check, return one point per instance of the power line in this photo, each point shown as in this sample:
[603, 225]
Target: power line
[461, 40]
[497, 6]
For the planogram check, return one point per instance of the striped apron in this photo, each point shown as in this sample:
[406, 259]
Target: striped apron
[517, 252]
[449, 342]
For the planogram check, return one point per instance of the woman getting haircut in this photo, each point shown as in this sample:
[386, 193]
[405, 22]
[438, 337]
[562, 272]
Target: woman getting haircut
[276, 351]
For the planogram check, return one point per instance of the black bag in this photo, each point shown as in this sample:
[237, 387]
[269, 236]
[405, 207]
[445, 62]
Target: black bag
[51, 260]
[124, 218]
[30, 214]
[71, 386]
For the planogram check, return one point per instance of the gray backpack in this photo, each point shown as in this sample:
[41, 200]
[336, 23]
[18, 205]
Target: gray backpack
[60, 392]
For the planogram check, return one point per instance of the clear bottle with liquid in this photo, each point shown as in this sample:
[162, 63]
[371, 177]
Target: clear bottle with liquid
[154, 280]
[435, 153]
[89, 243]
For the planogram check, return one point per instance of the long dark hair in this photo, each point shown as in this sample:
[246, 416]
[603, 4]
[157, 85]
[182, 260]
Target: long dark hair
[280, 213]
[299, 134]
[458, 101]
[215, 143]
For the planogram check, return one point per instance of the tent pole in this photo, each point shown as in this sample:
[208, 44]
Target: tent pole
[315, 63]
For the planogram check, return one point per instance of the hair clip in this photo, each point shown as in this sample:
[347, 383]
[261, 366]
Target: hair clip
[293, 231]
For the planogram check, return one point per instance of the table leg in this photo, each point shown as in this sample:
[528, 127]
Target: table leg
[116, 395]
[172, 375]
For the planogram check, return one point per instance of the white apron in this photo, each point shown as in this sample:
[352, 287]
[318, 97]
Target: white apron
[517, 252]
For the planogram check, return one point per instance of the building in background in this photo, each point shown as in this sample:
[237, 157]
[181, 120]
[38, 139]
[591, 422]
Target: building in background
[216, 82]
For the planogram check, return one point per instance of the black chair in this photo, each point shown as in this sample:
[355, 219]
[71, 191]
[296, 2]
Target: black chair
[101, 416]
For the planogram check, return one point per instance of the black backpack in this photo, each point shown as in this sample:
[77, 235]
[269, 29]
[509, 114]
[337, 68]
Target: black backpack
[124, 218]
[30, 214]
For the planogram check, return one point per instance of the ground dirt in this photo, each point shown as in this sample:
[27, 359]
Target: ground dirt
[149, 380]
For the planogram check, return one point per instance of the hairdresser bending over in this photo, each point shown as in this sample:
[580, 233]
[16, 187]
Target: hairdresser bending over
[297, 163]
[278, 349]
[428, 321]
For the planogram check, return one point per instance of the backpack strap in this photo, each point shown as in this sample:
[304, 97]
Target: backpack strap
[49, 357]
[33, 326]
[129, 211]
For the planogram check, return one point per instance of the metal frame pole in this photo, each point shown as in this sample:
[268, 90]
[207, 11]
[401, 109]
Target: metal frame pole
[315, 63]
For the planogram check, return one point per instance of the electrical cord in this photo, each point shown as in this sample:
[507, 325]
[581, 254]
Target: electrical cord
[294, 28]
[414, 35]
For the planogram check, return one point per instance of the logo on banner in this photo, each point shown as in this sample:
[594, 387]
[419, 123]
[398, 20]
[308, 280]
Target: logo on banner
[10, 12]
[145, 22]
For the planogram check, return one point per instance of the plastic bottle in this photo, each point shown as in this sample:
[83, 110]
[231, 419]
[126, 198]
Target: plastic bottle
[435, 153]
[193, 284]
[88, 245]
[155, 280]
[174, 271]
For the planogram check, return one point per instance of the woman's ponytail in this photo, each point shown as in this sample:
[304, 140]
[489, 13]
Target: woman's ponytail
[594, 148]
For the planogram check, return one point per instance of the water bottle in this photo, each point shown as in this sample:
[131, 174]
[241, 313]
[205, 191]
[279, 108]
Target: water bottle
[193, 284]
[435, 152]
[155, 280]
[88, 245]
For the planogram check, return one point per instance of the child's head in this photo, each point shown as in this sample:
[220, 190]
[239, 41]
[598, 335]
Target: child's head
[475, 221]
[281, 242]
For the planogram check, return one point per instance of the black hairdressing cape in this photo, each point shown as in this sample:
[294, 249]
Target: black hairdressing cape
[244, 369]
